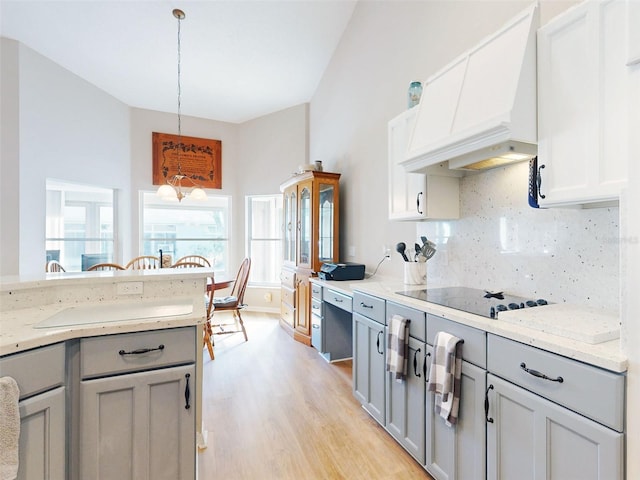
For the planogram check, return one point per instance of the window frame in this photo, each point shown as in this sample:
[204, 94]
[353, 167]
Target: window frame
[92, 221]
[194, 206]
[249, 238]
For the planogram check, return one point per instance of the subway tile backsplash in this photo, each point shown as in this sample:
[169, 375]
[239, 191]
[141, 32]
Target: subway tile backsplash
[500, 243]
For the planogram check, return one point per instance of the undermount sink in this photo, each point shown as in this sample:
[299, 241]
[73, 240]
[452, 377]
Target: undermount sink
[116, 312]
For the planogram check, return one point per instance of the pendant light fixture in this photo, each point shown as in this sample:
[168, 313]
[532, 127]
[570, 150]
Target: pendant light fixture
[173, 188]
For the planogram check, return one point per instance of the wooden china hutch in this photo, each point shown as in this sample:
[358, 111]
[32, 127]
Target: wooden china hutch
[311, 228]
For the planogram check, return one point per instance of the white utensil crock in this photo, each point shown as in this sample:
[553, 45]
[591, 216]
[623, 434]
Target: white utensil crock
[415, 273]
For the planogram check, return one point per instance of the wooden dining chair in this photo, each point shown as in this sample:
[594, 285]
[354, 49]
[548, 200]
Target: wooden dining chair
[187, 265]
[195, 258]
[233, 303]
[207, 335]
[103, 267]
[143, 262]
[54, 266]
[208, 300]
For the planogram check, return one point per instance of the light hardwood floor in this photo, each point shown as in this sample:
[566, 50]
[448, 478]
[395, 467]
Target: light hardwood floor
[275, 409]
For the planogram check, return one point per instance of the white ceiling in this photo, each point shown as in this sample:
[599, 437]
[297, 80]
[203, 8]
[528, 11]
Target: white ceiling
[240, 59]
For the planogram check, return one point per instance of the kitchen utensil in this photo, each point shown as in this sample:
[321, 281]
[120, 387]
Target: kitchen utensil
[400, 248]
[417, 252]
[428, 250]
[426, 241]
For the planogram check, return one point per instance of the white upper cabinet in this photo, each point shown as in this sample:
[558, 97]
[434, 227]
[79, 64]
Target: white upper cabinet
[417, 196]
[583, 101]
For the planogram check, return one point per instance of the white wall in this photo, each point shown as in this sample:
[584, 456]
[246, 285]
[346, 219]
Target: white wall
[143, 123]
[385, 47]
[68, 130]
[256, 157]
[56, 125]
[271, 149]
[9, 158]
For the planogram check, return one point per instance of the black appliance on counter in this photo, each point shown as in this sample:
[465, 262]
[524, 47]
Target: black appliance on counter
[341, 271]
[473, 300]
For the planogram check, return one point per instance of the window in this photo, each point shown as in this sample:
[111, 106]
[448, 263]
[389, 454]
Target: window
[264, 238]
[80, 225]
[187, 228]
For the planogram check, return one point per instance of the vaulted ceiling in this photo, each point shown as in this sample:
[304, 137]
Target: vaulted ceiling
[240, 59]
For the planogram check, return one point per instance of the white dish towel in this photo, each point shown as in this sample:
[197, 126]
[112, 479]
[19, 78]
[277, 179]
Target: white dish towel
[9, 428]
[445, 376]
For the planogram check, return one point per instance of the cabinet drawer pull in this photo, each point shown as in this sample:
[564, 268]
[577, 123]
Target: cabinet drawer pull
[141, 351]
[364, 305]
[538, 374]
[539, 181]
[378, 342]
[315, 325]
[424, 367]
[418, 203]
[415, 363]
[337, 300]
[187, 392]
[486, 405]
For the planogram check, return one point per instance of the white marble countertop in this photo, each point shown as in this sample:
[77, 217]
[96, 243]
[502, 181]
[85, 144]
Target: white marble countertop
[18, 331]
[16, 283]
[166, 298]
[605, 354]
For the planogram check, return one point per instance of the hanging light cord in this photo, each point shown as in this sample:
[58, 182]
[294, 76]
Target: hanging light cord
[179, 14]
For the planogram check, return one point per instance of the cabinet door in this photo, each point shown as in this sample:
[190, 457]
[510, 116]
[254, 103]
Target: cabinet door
[138, 426]
[42, 451]
[290, 205]
[583, 102]
[327, 223]
[529, 437]
[406, 190]
[405, 407]
[458, 452]
[304, 224]
[369, 365]
[303, 313]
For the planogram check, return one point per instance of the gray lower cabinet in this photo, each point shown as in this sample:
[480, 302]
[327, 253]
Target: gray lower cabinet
[369, 365]
[40, 375]
[405, 412]
[458, 452]
[137, 426]
[335, 325]
[137, 406]
[551, 417]
[42, 434]
[529, 437]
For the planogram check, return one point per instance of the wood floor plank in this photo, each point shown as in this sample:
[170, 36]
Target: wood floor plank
[275, 409]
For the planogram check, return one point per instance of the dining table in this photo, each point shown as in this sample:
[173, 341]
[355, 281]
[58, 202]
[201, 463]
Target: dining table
[220, 283]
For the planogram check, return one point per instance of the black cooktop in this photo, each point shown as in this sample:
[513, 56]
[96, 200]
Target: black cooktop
[473, 300]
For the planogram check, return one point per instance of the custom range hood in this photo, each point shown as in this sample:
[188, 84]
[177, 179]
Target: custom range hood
[479, 111]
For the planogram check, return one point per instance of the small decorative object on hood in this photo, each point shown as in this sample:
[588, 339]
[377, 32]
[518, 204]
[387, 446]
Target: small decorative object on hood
[415, 92]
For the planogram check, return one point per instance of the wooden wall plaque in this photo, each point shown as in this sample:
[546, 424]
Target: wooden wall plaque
[200, 158]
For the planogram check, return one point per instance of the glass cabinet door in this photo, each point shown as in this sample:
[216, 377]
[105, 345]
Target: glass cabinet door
[290, 226]
[304, 225]
[326, 223]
